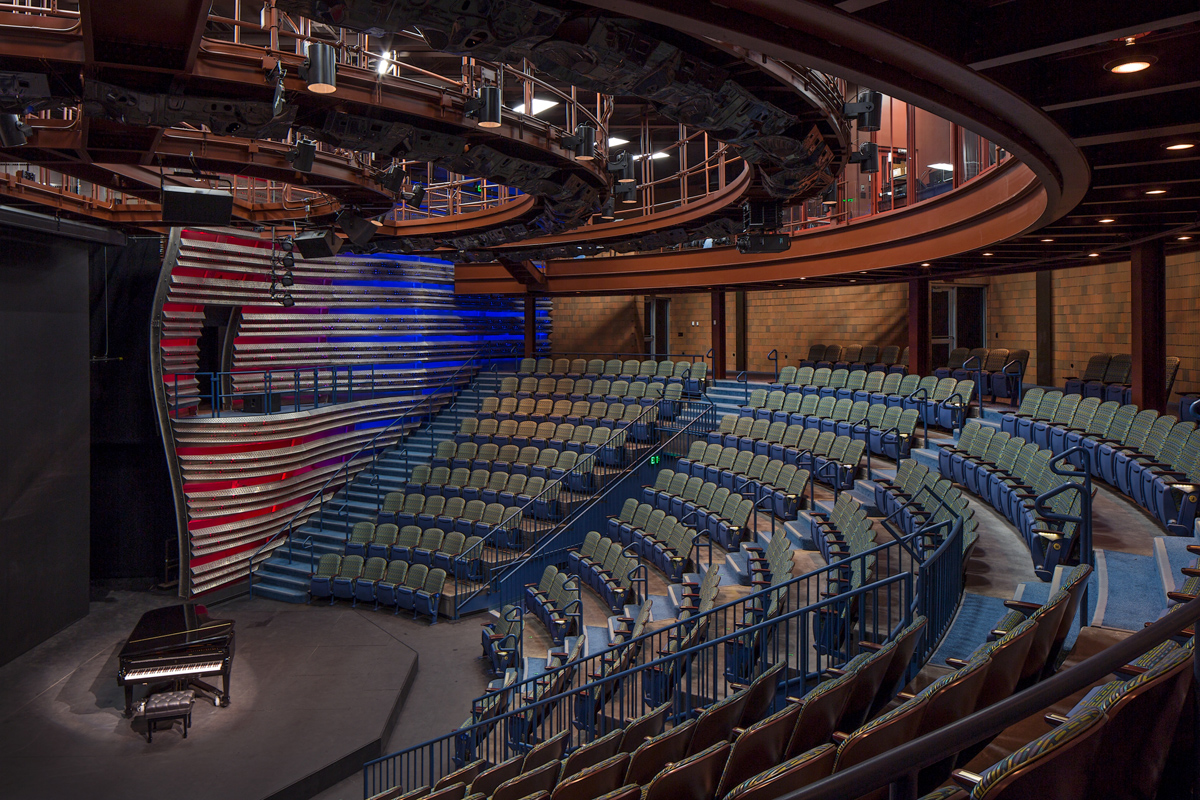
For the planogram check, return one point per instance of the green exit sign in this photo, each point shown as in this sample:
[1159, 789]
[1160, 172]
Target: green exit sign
[654, 460]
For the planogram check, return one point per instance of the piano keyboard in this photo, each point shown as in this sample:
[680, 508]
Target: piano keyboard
[150, 673]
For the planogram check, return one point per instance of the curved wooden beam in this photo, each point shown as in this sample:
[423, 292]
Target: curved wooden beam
[999, 203]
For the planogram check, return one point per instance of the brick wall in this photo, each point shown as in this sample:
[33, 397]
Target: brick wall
[1092, 315]
[597, 325]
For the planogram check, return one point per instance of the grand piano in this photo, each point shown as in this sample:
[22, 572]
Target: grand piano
[179, 645]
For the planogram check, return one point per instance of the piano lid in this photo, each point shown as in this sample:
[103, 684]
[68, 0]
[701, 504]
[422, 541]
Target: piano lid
[175, 629]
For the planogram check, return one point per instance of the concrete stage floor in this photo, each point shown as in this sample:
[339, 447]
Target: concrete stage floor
[315, 691]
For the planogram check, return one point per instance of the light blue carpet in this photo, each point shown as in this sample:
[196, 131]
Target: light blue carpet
[976, 618]
[1040, 592]
[1178, 556]
[1135, 594]
[660, 607]
[597, 639]
[534, 666]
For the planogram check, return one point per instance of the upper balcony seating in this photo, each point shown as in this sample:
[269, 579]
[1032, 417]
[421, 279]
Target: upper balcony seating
[852, 358]
[562, 373]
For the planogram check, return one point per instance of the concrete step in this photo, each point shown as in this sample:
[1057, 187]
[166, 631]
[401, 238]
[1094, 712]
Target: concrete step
[280, 593]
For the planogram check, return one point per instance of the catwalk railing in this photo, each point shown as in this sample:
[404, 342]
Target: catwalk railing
[554, 518]
[449, 386]
[695, 662]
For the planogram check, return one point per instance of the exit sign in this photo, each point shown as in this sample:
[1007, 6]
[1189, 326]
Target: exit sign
[654, 460]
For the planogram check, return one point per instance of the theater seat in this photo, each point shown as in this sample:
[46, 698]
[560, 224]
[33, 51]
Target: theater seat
[694, 778]
[794, 774]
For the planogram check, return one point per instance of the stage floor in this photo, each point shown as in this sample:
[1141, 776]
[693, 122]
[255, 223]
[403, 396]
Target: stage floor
[311, 686]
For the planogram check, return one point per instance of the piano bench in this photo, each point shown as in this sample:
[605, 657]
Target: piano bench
[167, 707]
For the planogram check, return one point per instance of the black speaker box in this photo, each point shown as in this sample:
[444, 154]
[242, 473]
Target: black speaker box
[187, 205]
[318, 244]
[257, 403]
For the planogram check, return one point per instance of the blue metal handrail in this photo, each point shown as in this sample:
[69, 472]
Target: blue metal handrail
[774, 356]
[288, 527]
[1084, 519]
[745, 381]
[977, 371]
[924, 395]
[1020, 376]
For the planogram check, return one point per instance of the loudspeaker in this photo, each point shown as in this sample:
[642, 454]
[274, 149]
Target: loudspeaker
[256, 403]
[762, 214]
[357, 229]
[318, 244]
[187, 205]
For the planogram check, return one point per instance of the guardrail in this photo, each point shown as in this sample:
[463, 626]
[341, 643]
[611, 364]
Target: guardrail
[288, 528]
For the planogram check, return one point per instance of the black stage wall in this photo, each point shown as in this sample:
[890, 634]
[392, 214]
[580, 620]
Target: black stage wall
[44, 437]
[132, 510]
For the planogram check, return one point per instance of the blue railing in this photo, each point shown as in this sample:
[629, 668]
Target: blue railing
[774, 356]
[1082, 489]
[343, 474]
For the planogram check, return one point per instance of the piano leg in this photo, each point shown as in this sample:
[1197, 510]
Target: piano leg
[128, 701]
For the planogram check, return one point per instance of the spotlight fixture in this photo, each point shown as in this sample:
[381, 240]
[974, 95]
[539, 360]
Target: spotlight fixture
[606, 211]
[1107, 220]
[868, 157]
[303, 155]
[1130, 64]
[415, 197]
[287, 279]
[585, 145]
[1157, 191]
[627, 193]
[489, 108]
[1179, 146]
[286, 301]
[393, 178]
[623, 165]
[288, 260]
[357, 230]
[320, 68]
[13, 132]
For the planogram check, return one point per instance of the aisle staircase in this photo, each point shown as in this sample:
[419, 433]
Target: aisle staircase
[285, 575]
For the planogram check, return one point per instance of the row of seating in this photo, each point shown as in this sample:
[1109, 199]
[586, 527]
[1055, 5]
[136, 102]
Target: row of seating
[886, 431]
[1151, 458]
[532, 460]
[857, 357]
[556, 602]
[843, 531]
[682, 491]
[999, 371]
[945, 401]
[1107, 376]
[635, 414]
[502, 640]
[413, 587]
[580, 439]
[832, 460]
[550, 465]
[510, 490]
[919, 499]
[690, 373]
[606, 568]
[1009, 473]
[589, 389]
[496, 523]
[453, 552]
[724, 517]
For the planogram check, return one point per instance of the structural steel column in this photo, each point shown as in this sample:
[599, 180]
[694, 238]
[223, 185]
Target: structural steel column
[740, 359]
[530, 325]
[1045, 328]
[919, 348]
[718, 333]
[1148, 309]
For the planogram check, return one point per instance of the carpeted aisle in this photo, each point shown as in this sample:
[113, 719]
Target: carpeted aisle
[976, 617]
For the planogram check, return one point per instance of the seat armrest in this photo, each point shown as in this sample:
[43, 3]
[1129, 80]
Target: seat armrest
[967, 780]
[1021, 605]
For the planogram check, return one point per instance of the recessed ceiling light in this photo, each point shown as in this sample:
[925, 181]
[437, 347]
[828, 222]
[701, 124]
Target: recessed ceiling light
[1108, 219]
[1093, 255]
[616, 141]
[1182, 238]
[1047, 240]
[989, 254]
[1157, 191]
[926, 264]
[1179, 146]
[1130, 64]
[539, 106]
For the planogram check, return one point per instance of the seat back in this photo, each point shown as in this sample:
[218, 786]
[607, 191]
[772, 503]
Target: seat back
[896, 674]
[643, 728]
[593, 781]
[541, 779]
[1005, 657]
[1119, 369]
[328, 565]
[881, 734]
[487, 781]
[759, 747]
[694, 778]
[716, 723]
[820, 711]
[1096, 368]
[1052, 765]
[868, 678]
[816, 352]
[790, 776]
[655, 753]
[551, 749]
[956, 358]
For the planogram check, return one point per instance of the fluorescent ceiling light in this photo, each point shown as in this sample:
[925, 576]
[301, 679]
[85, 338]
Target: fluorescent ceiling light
[539, 106]
[616, 141]
[942, 166]
[653, 156]
[384, 63]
